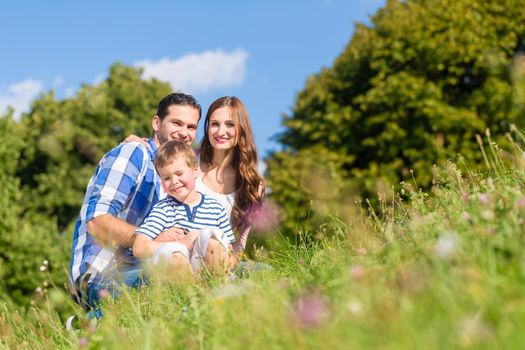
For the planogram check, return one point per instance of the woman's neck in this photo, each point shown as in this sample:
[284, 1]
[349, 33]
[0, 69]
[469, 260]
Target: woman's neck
[221, 160]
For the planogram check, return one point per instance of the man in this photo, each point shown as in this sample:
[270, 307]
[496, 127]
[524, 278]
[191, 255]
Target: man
[119, 195]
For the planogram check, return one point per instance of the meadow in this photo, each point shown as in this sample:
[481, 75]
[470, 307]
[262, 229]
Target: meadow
[443, 269]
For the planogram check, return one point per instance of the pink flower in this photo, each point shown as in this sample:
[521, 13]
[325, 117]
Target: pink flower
[361, 251]
[103, 294]
[264, 217]
[82, 342]
[357, 272]
[484, 198]
[521, 202]
[311, 311]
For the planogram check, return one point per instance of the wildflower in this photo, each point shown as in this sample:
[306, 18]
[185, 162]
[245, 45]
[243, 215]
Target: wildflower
[82, 342]
[228, 291]
[355, 307]
[103, 294]
[92, 328]
[521, 202]
[311, 311]
[466, 216]
[264, 217]
[473, 330]
[484, 198]
[446, 246]
[45, 262]
[45, 283]
[488, 215]
[42, 268]
[361, 251]
[357, 272]
[38, 290]
[283, 283]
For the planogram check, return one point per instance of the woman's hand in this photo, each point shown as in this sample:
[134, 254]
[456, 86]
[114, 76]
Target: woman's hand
[135, 138]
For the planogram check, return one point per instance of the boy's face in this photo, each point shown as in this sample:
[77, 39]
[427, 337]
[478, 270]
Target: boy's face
[178, 179]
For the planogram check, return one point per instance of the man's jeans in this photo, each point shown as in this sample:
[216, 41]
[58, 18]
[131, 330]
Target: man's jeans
[111, 285]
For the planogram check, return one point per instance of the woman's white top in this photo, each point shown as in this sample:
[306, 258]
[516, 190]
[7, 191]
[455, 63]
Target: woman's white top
[226, 200]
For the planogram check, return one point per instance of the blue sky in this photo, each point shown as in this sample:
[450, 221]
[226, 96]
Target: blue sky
[260, 51]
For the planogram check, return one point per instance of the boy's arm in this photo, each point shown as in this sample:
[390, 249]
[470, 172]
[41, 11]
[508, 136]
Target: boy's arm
[156, 222]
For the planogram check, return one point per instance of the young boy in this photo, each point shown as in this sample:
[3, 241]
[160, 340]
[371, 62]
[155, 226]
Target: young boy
[207, 226]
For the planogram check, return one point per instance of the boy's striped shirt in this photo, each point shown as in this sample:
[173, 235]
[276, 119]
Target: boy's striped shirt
[169, 212]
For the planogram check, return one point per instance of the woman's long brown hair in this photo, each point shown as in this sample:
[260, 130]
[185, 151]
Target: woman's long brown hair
[244, 162]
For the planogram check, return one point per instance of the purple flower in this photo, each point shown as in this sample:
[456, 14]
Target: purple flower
[484, 198]
[311, 311]
[82, 342]
[357, 272]
[264, 217]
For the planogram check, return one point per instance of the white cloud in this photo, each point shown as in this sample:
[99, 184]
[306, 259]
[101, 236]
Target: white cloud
[19, 95]
[58, 82]
[199, 72]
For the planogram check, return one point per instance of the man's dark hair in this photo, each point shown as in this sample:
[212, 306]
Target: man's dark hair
[177, 98]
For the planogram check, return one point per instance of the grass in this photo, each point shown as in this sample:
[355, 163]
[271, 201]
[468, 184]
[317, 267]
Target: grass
[444, 269]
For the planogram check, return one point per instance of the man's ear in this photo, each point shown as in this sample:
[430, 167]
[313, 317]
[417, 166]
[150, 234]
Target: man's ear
[155, 123]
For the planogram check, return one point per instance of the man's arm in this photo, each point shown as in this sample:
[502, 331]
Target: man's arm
[113, 186]
[111, 230]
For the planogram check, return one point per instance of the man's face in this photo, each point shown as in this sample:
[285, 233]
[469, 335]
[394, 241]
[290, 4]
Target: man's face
[180, 124]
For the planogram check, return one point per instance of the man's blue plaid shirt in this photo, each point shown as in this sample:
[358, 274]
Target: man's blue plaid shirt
[124, 185]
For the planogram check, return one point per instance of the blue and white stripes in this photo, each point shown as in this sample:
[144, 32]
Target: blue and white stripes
[170, 212]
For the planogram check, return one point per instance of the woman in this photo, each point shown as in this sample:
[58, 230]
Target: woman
[228, 164]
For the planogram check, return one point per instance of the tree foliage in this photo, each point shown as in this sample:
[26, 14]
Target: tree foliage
[46, 160]
[66, 138]
[412, 89]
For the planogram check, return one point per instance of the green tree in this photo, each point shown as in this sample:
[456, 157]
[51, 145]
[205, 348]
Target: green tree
[408, 91]
[66, 138]
[32, 253]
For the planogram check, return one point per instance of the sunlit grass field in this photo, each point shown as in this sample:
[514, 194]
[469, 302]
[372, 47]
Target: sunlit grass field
[444, 269]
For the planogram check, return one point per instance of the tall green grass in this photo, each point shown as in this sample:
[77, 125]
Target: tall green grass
[435, 270]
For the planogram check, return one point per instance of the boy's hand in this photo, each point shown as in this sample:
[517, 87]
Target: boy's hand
[189, 239]
[172, 234]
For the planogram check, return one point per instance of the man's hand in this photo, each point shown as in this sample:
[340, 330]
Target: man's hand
[135, 138]
[172, 234]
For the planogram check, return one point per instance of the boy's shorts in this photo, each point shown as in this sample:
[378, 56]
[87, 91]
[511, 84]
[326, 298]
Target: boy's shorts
[196, 256]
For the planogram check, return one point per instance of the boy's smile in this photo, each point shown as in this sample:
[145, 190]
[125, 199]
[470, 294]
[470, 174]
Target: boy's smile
[178, 181]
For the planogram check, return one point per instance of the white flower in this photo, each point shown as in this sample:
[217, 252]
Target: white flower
[446, 246]
[355, 307]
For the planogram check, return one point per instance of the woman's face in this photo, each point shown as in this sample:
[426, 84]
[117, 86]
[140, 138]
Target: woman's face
[222, 131]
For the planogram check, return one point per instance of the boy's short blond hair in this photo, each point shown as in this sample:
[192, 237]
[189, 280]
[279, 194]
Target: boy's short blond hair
[174, 149]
